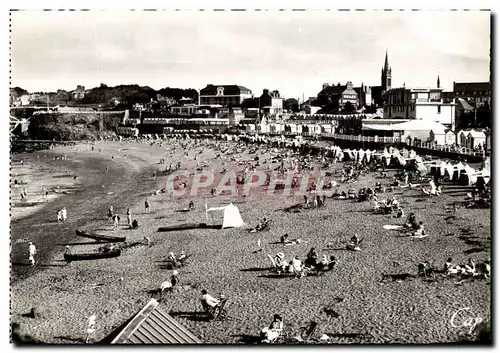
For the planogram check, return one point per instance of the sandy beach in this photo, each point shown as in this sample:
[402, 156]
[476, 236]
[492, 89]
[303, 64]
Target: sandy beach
[224, 261]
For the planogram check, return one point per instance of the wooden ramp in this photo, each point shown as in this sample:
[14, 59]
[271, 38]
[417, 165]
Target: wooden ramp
[152, 326]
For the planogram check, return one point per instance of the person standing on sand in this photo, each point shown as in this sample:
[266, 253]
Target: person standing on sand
[59, 216]
[146, 205]
[92, 327]
[64, 214]
[110, 213]
[116, 220]
[32, 253]
[129, 217]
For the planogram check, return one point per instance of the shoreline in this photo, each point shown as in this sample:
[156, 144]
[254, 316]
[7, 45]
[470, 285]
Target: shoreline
[91, 172]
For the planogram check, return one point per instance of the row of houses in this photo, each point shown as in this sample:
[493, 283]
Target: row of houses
[410, 130]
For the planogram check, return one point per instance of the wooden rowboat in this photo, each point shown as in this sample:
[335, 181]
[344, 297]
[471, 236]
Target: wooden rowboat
[186, 226]
[92, 256]
[99, 237]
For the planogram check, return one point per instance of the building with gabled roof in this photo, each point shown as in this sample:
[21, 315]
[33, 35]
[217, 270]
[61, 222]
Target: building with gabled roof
[224, 95]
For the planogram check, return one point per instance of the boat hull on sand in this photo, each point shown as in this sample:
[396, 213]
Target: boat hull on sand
[186, 226]
[100, 237]
[92, 256]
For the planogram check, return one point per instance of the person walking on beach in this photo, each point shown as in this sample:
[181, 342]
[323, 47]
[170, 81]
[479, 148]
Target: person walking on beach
[129, 217]
[32, 253]
[110, 213]
[146, 205]
[64, 214]
[59, 216]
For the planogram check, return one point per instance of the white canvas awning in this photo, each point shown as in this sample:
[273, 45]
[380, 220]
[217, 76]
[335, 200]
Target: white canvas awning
[232, 217]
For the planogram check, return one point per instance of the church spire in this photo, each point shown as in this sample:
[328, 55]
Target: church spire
[438, 82]
[386, 74]
[386, 64]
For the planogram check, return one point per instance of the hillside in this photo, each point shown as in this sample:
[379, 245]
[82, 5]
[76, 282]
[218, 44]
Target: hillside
[67, 126]
[126, 95]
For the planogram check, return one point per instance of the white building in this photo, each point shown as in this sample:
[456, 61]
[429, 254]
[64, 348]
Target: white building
[420, 104]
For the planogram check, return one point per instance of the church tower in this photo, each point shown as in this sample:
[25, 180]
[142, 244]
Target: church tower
[386, 75]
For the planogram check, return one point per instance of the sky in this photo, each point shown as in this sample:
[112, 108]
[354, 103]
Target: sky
[293, 52]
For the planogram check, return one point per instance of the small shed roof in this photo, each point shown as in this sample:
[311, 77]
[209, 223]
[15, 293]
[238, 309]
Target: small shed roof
[476, 134]
[153, 326]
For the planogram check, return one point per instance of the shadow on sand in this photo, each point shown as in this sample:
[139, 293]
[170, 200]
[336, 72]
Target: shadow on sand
[190, 315]
[256, 269]
[71, 339]
[248, 339]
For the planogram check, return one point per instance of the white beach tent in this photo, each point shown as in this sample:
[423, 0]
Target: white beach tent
[468, 176]
[232, 217]
[368, 155]
[449, 169]
[442, 167]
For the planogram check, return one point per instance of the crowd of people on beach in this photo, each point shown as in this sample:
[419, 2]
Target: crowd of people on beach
[312, 262]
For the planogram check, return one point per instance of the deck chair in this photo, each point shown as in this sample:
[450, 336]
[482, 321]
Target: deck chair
[309, 330]
[214, 312]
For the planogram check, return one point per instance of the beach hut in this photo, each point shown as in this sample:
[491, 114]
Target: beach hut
[315, 129]
[438, 136]
[475, 139]
[294, 128]
[449, 137]
[462, 137]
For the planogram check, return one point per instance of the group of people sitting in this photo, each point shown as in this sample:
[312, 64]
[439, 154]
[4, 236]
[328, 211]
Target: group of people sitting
[469, 269]
[365, 194]
[433, 190]
[177, 261]
[349, 175]
[412, 227]
[425, 269]
[388, 206]
[263, 224]
[479, 199]
[317, 201]
[298, 268]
